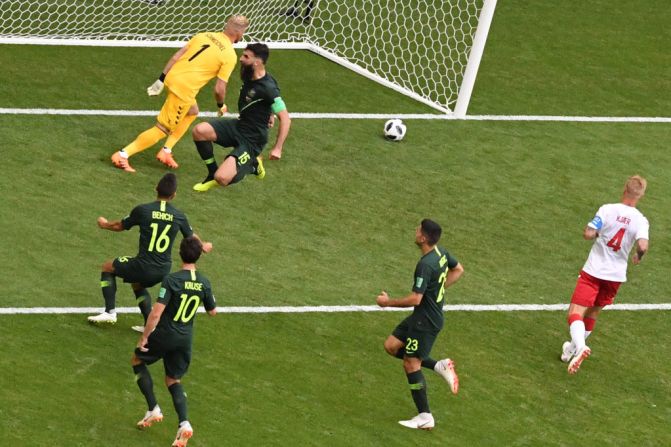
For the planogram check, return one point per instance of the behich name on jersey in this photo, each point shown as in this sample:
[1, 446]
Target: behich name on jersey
[160, 215]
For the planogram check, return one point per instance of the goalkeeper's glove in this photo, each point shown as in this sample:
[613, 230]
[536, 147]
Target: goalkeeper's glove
[157, 87]
[222, 108]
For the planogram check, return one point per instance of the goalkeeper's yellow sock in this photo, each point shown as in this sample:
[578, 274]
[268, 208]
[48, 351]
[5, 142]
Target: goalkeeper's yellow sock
[179, 131]
[146, 139]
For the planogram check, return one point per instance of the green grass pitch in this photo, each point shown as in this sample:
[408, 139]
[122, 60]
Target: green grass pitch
[332, 224]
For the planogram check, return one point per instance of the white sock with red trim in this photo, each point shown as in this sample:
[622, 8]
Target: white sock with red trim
[577, 329]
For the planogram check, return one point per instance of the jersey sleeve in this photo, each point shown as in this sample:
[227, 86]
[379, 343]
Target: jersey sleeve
[166, 292]
[275, 100]
[192, 40]
[643, 230]
[422, 276]
[227, 66]
[132, 219]
[209, 302]
[452, 262]
[597, 221]
[184, 227]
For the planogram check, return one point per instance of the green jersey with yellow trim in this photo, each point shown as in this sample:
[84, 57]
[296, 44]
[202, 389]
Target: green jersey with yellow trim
[258, 99]
[430, 275]
[181, 293]
[159, 224]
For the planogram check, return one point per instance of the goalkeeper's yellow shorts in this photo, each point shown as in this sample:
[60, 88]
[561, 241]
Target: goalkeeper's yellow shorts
[173, 111]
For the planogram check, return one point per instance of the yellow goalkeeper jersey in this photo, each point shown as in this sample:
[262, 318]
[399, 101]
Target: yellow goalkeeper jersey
[207, 55]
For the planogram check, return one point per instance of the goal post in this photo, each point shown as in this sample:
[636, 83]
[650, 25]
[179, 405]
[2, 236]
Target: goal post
[429, 50]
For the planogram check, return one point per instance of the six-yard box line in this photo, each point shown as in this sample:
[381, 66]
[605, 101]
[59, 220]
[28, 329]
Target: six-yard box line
[336, 309]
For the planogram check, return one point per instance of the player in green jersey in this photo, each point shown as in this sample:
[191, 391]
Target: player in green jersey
[168, 335]
[259, 102]
[413, 337]
[159, 224]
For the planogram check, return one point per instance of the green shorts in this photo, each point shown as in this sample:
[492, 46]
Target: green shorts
[135, 270]
[244, 151]
[418, 335]
[176, 354]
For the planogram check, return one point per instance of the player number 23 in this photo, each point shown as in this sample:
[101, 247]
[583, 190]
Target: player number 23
[411, 344]
[441, 281]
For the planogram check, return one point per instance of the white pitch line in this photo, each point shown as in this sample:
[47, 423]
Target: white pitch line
[371, 116]
[332, 309]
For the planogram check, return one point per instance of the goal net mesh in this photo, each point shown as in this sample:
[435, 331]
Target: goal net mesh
[421, 46]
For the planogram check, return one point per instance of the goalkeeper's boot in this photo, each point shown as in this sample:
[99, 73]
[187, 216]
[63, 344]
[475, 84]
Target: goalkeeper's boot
[423, 421]
[205, 185]
[446, 369]
[580, 355]
[103, 318]
[166, 158]
[259, 170]
[566, 351]
[121, 162]
[150, 418]
[184, 433]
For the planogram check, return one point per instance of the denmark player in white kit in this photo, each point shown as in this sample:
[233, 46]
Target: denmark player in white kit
[616, 229]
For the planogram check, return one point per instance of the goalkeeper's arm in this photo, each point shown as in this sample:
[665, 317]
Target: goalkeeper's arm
[157, 87]
[220, 96]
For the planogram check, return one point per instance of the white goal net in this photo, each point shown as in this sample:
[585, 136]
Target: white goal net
[426, 49]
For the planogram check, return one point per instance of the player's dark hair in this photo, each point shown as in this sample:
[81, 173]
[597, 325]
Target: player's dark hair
[431, 230]
[260, 50]
[167, 186]
[190, 249]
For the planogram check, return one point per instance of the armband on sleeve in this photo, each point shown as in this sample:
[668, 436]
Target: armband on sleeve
[596, 223]
[278, 105]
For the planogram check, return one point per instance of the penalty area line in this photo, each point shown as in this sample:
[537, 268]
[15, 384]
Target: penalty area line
[372, 116]
[335, 309]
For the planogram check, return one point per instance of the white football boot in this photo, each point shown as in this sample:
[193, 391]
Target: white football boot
[150, 417]
[446, 369]
[184, 433]
[105, 318]
[566, 351]
[423, 421]
[581, 355]
[139, 329]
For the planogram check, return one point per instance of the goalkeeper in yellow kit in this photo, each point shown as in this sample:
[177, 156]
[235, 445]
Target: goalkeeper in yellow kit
[205, 56]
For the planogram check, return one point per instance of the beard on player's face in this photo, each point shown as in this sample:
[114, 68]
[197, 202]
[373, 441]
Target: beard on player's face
[246, 71]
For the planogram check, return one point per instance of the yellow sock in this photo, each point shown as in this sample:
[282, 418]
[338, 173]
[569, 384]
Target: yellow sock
[146, 139]
[179, 131]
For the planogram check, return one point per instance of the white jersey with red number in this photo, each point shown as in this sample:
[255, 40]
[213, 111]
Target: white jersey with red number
[619, 226]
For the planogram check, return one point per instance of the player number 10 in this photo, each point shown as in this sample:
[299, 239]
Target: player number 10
[184, 313]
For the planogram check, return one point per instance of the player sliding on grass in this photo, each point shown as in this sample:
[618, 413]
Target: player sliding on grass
[258, 104]
[413, 337]
[614, 229]
[159, 224]
[207, 55]
[168, 335]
